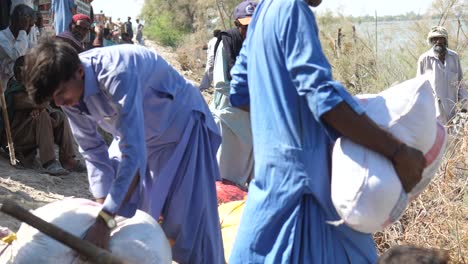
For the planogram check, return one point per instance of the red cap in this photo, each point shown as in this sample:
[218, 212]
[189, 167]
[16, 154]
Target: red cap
[77, 17]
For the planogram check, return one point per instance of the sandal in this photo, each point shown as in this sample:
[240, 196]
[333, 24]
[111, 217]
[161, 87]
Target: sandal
[54, 168]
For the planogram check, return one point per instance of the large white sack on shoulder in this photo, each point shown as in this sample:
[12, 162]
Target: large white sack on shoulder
[139, 239]
[366, 190]
[407, 111]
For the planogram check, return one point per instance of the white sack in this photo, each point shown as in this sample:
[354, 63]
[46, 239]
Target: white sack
[139, 239]
[366, 190]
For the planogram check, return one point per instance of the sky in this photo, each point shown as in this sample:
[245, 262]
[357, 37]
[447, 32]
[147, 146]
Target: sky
[125, 8]
[118, 8]
[368, 7]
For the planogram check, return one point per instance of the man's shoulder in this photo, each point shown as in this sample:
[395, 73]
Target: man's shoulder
[426, 54]
[452, 53]
[5, 38]
[5, 32]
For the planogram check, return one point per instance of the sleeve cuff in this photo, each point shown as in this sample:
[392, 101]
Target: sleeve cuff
[327, 97]
[127, 209]
[100, 189]
[237, 99]
[110, 205]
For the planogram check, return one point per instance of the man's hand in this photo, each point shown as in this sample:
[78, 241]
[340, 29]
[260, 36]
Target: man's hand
[35, 113]
[409, 164]
[98, 234]
[98, 29]
[25, 23]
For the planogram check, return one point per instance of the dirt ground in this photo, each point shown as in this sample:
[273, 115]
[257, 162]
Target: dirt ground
[32, 189]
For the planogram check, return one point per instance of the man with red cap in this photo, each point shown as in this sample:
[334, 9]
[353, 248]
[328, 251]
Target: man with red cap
[77, 31]
[235, 155]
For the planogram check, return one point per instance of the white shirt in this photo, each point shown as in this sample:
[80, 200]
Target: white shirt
[447, 80]
[10, 50]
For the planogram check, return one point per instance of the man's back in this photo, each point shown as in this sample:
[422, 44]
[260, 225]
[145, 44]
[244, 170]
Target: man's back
[129, 28]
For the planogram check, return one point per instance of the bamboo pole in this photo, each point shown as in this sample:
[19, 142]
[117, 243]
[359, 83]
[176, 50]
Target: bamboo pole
[6, 122]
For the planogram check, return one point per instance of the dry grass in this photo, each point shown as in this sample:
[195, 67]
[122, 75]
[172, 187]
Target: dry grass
[438, 218]
[192, 56]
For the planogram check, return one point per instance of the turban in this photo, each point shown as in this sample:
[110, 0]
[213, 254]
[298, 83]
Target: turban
[437, 31]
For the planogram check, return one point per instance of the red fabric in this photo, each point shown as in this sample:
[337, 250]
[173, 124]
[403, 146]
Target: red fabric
[77, 17]
[228, 192]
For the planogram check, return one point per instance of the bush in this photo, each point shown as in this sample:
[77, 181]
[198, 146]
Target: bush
[161, 29]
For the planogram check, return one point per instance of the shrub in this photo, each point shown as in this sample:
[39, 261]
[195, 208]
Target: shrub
[161, 29]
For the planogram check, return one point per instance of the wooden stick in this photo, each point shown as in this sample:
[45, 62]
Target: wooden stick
[92, 252]
[6, 122]
[221, 13]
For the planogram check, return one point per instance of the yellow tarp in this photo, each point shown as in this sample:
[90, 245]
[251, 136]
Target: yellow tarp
[229, 216]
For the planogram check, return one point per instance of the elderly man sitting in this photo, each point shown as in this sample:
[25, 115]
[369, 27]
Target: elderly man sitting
[38, 127]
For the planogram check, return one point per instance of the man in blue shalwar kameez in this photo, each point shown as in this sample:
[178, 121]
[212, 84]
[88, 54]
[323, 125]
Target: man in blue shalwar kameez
[297, 110]
[163, 157]
[62, 12]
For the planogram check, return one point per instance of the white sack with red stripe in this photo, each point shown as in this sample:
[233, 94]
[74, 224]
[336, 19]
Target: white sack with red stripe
[366, 190]
[139, 239]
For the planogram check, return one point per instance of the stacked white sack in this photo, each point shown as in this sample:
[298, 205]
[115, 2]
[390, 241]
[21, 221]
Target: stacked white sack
[366, 190]
[139, 239]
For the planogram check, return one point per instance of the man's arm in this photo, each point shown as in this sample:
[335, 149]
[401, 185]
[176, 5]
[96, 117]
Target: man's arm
[72, 6]
[462, 92]
[124, 88]
[94, 150]
[332, 105]
[408, 162]
[239, 93]
[98, 39]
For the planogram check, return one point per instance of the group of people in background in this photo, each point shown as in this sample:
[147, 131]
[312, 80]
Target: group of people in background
[276, 110]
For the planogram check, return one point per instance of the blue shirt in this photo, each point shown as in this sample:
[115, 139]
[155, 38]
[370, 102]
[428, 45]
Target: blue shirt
[62, 14]
[130, 92]
[285, 77]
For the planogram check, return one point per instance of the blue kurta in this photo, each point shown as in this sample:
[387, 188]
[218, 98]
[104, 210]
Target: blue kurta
[162, 128]
[284, 75]
[62, 14]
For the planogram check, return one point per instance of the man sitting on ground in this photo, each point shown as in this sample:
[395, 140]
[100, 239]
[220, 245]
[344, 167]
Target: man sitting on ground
[39, 127]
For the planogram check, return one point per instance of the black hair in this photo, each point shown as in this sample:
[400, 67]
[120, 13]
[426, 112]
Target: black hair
[47, 65]
[17, 68]
[106, 32]
[20, 11]
[413, 255]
